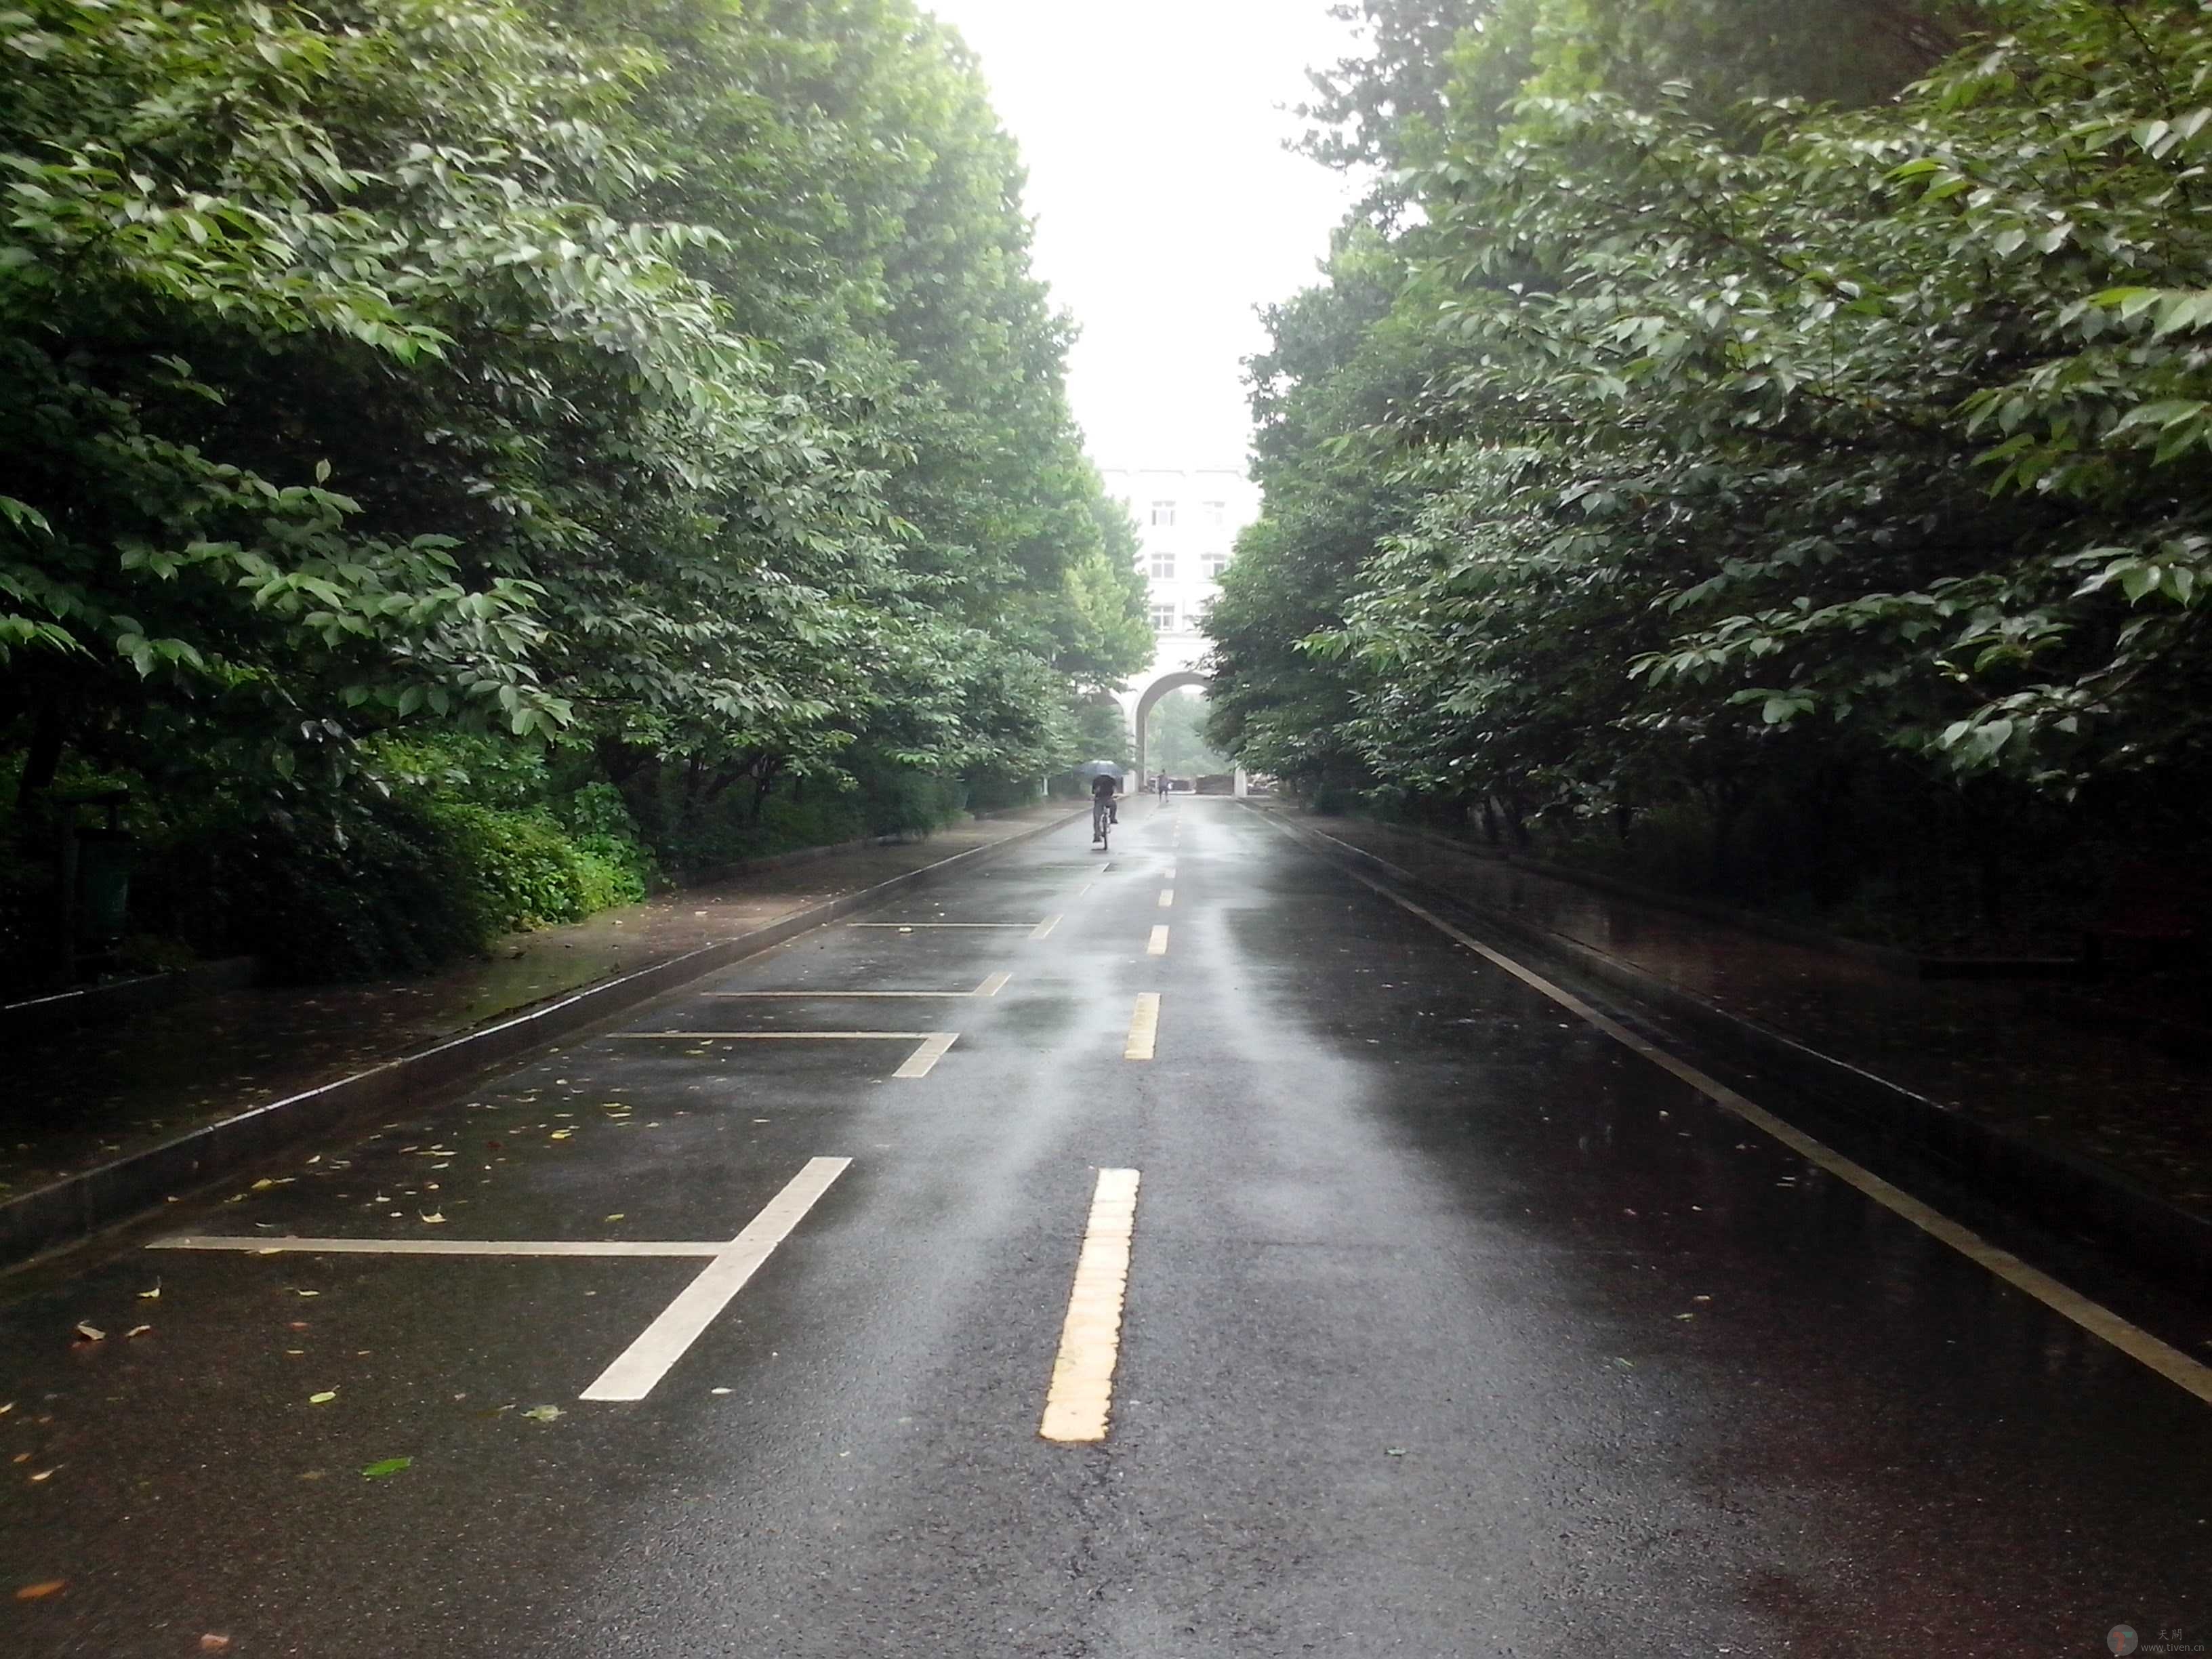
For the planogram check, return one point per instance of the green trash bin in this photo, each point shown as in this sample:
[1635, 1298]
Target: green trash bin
[104, 859]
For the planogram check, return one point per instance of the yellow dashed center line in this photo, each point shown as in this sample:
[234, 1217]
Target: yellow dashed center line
[1144, 1027]
[1081, 1399]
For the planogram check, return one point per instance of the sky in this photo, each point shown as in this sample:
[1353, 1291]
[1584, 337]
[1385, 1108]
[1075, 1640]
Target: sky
[1166, 207]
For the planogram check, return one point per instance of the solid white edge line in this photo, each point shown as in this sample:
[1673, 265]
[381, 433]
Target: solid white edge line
[1157, 945]
[1080, 1403]
[922, 1060]
[1144, 1027]
[292, 1246]
[646, 1361]
[2139, 1345]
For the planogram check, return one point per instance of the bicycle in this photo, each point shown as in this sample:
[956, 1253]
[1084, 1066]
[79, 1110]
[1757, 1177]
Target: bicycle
[1102, 820]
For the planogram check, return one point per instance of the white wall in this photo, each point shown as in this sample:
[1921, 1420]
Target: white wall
[1193, 535]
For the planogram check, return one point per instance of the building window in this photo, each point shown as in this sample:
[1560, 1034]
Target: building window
[1164, 618]
[1212, 564]
[1163, 567]
[1213, 516]
[1163, 515]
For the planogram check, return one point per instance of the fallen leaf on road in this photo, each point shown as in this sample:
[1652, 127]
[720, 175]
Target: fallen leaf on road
[213, 1644]
[389, 1466]
[44, 1474]
[435, 1217]
[300, 1293]
[90, 1333]
[1393, 1451]
[616, 1215]
[323, 1398]
[40, 1592]
[138, 1330]
[718, 1391]
[544, 1413]
[154, 1295]
[262, 1185]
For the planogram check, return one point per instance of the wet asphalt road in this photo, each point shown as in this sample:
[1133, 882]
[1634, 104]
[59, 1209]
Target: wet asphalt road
[1452, 1329]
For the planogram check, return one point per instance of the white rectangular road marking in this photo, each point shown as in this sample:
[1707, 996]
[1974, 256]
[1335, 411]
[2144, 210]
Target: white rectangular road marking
[917, 1063]
[1167, 898]
[763, 996]
[646, 1361]
[1081, 1398]
[918, 926]
[989, 988]
[2170, 1363]
[1158, 947]
[293, 1246]
[1144, 1027]
[773, 1037]
[1169, 873]
[1044, 928]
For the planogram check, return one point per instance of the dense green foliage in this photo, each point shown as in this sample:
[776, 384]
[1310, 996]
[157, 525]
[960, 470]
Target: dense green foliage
[665, 386]
[1837, 466]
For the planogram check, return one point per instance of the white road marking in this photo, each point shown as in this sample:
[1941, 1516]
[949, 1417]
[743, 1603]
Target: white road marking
[917, 926]
[989, 988]
[287, 1245]
[1044, 928]
[1169, 873]
[773, 1037]
[919, 1062]
[1158, 947]
[1167, 898]
[647, 1360]
[2097, 1320]
[1081, 1398]
[1144, 1027]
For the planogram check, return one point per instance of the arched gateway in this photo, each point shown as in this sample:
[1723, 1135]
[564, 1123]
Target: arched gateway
[1187, 519]
[1137, 703]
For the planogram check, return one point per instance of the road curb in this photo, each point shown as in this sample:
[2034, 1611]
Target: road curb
[2066, 1194]
[67, 1211]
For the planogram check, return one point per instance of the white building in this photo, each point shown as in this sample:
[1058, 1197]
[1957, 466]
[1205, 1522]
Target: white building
[1188, 521]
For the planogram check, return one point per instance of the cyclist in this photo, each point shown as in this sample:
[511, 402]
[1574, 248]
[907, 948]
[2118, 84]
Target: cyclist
[1103, 788]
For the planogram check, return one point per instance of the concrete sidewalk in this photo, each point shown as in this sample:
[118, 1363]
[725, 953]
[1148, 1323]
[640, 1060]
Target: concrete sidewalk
[86, 1102]
[2027, 1090]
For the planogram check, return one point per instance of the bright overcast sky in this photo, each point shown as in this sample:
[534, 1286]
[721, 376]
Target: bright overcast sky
[1166, 207]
